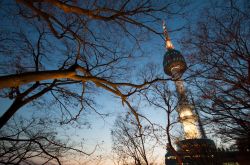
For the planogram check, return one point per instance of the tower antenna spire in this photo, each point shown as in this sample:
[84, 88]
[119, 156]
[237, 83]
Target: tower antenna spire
[168, 42]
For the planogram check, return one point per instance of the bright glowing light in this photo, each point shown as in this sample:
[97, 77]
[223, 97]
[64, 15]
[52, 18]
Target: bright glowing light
[169, 44]
[189, 122]
[191, 129]
[185, 112]
[187, 117]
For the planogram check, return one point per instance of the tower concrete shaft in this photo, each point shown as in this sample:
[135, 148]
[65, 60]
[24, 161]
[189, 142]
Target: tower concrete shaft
[187, 116]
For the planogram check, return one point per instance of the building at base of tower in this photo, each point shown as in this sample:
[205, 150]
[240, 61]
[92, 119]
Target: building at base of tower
[193, 152]
[204, 152]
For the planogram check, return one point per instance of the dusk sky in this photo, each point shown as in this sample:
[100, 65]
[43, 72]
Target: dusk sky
[92, 128]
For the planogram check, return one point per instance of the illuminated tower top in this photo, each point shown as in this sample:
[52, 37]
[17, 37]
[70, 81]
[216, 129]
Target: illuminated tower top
[174, 63]
[169, 44]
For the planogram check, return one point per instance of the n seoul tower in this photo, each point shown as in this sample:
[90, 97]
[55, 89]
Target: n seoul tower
[174, 65]
[195, 148]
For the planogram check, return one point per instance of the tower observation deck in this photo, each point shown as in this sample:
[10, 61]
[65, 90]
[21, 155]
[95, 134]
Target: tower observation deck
[174, 65]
